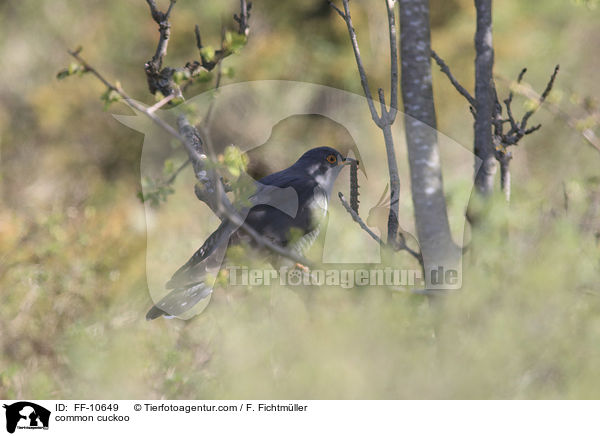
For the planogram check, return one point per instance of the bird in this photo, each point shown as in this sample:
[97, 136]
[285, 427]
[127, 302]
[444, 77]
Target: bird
[311, 177]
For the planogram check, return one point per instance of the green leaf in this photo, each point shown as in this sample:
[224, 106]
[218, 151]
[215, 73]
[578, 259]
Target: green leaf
[229, 72]
[110, 96]
[168, 167]
[204, 76]
[234, 160]
[73, 68]
[181, 76]
[234, 41]
[208, 53]
[62, 74]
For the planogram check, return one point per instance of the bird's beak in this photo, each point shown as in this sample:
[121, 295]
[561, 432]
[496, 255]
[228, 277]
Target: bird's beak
[348, 161]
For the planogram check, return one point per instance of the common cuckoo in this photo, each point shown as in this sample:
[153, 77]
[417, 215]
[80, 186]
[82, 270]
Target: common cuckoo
[311, 178]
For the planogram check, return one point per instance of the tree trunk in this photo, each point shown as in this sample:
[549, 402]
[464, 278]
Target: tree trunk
[431, 216]
[484, 97]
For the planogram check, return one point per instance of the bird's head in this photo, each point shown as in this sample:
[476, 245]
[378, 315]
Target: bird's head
[323, 164]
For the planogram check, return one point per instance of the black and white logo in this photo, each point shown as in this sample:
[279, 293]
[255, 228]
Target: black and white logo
[26, 415]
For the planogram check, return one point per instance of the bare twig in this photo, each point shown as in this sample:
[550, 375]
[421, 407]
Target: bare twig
[359, 220]
[160, 79]
[387, 117]
[588, 134]
[399, 245]
[542, 97]
[243, 18]
[446, 70]
[519, 129]
[171, 179]
[391, 114]
[161, 103]
[164, 27]
[209, 111]
[359, 63]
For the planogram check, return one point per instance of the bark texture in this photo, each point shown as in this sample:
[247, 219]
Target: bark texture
[427, 190]
[484, 99]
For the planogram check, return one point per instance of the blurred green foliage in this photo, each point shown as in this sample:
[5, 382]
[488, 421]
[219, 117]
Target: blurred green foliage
[72, 233]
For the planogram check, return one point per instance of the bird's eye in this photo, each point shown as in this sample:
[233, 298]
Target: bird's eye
[331, 159]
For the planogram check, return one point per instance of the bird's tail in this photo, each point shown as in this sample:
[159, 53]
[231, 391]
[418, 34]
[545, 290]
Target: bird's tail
[179, 301]
[155, 312]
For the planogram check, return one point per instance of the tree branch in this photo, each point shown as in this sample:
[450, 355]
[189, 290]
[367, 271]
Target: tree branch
[243, 18]
[162, 79]
[159, 80]
[401, 245]
[135, 105]
[359, 220]
[387, 117]
[446, 70]
[588, 134]
[361, 69]
[191, 140]
[391, 114]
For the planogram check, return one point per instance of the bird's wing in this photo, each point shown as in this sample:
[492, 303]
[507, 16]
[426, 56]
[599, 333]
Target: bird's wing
[272, 216]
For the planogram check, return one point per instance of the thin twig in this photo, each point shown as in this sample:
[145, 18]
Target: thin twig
[391, 114]
[359, 220]
[519, 129]
[161, 103]
[359, 63]
[446, 70]
[211, 106]
[243, 18]
[135, 105]
[171, 179]
[387, 117]
[162, 19]
[542, 97]
[588, 134]
[399, 246]
[158, 79]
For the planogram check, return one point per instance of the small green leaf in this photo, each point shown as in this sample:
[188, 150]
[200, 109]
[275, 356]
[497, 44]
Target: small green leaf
[110, 96]
[181, 76]
[168, 167]
[208, 53]
[73, 67]
[62, 74]
[234, 41]
[234, 160]
[229, 72]
[204, 76]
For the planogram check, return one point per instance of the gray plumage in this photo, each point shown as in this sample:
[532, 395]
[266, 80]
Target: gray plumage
[311, 178]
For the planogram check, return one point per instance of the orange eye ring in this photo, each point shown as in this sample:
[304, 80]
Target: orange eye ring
[331, 159]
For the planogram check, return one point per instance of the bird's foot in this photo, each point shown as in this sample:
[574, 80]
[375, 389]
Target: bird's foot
[301, 267]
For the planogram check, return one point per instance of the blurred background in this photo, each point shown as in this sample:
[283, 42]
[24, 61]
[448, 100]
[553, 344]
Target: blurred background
[73, 232]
